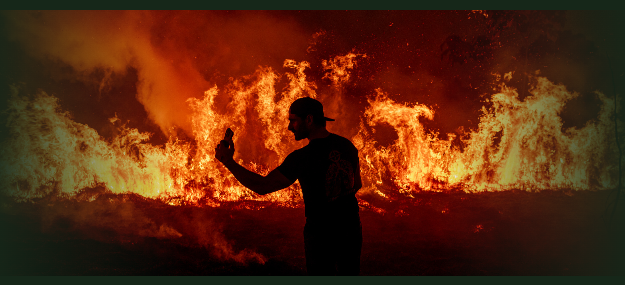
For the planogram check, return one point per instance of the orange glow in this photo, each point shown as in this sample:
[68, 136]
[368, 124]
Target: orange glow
[519, 144]
[532, 153]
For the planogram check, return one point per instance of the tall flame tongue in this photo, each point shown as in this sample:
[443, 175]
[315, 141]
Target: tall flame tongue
[519, 144]
[49, 152]
[532, 153]
[258, 118]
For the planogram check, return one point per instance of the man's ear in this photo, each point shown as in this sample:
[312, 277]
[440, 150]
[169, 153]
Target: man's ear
[309, 120]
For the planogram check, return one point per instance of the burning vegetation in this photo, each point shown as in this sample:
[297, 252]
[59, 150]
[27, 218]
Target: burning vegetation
[519, 144]
[517, 141]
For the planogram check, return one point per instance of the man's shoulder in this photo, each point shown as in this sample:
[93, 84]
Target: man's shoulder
[330, 142]
[338, 137]
[342, 140]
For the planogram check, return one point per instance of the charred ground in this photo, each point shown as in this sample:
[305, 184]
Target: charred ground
[494, 233]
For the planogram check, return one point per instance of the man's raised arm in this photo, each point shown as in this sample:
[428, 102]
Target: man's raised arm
[274, 181]
[262, 185]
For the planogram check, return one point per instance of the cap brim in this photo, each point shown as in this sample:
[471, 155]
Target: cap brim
[328, 119]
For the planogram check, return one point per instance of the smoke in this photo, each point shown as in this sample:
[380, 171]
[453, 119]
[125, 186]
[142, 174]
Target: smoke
[444, 59]
[177, 54]
[127, 218]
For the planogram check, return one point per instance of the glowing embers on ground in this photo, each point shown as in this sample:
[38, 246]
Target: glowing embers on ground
[519, 144]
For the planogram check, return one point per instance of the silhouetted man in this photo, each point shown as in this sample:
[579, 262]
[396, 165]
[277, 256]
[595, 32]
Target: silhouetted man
[329, 175]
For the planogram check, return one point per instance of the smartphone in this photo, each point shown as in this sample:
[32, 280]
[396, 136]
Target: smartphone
[228, 135]
[225, 143]
[227, 138]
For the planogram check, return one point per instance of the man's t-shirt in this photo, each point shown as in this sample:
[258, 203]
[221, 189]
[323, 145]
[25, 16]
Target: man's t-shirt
[329, 174]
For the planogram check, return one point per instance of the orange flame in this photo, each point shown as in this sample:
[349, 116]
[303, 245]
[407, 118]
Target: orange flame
[533, 152]
[519, 144]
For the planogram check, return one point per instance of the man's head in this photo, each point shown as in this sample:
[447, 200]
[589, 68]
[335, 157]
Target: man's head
[306, 114]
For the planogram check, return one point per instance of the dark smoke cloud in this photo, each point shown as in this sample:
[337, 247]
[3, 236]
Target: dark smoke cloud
[177, 55]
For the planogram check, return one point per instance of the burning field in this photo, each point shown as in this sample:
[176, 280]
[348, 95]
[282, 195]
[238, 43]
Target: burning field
[488, 140]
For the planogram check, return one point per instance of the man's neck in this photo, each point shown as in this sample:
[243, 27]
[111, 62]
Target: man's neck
[318, 133]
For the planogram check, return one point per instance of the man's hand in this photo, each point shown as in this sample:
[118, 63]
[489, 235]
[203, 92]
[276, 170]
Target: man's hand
[224, 151]
[274, 181]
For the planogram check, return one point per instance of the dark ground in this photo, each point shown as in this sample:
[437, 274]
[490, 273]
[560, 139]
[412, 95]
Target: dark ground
[500, 233]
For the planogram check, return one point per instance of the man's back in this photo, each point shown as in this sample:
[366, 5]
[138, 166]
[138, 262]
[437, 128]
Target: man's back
[329, 174]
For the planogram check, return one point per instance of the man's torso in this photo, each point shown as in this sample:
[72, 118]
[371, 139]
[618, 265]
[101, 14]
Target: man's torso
[329, 175]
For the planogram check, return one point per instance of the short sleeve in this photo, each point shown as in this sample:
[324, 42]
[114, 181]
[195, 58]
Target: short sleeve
[289, 167]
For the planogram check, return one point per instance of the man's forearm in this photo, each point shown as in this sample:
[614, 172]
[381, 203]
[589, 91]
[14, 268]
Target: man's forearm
[249, 179]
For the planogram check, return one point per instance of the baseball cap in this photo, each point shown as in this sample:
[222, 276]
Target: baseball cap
[308, 106]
